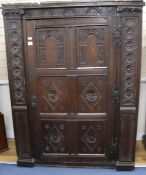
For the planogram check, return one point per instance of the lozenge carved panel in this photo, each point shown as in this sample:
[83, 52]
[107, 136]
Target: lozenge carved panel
[55, 137]
[90, 137]
[52, 94]
[91, 94]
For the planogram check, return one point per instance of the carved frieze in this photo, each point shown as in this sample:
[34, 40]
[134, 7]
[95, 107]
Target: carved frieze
[12, 12]
[72, 12]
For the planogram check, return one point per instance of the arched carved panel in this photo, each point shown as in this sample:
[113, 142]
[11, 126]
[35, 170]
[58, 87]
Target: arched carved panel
[51, 47]
[91, 46]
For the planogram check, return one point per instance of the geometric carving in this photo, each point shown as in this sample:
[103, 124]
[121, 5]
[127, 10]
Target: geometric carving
[128, 71]
[53, 95]
[54, 138]
[90, 138]
[51, 47]
[91, 95]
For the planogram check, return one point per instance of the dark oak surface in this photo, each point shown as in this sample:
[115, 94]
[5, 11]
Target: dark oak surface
[74, 71]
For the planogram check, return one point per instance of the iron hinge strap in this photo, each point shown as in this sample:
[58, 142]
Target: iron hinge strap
[114, 147]
[115, 93]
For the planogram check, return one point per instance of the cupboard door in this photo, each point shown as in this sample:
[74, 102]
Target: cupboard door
[69, 65]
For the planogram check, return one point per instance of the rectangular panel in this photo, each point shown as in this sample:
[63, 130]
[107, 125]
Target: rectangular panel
[54, 137]
[51, 47]
[52, 94]
[91, 94]
[91, 136]
[91, 51]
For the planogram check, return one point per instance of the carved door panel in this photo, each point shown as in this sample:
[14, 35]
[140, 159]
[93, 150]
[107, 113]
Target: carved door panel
[70, 63]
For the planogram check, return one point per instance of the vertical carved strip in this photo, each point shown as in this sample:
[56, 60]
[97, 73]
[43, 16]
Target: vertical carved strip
[129, 68]
[15, 59]
[128, 100]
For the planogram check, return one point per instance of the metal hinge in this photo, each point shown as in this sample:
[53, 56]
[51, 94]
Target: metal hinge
[115, 93]
[117, 35]
[33, 100]
[114, 147]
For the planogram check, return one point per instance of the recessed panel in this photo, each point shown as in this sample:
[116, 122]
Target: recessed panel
[91, 50]
[91, 135]
[51, 47]
[91, 94]
[52, 94]
[54, 137]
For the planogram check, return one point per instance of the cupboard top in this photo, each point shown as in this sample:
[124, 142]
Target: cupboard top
[76, 3]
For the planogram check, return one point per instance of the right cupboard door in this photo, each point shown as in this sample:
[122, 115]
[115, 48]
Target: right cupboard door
[74, 116]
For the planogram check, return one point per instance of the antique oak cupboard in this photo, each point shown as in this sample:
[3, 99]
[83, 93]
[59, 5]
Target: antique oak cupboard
[74, 71]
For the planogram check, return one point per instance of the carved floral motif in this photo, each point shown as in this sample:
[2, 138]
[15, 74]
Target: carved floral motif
[129, 70]
[15, 60]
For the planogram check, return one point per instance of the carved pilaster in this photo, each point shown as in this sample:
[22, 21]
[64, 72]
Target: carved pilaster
[129, 59]
[15, 59]
[128, 86]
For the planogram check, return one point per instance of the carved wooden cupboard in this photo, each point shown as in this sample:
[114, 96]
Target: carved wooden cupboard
[74, 72]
